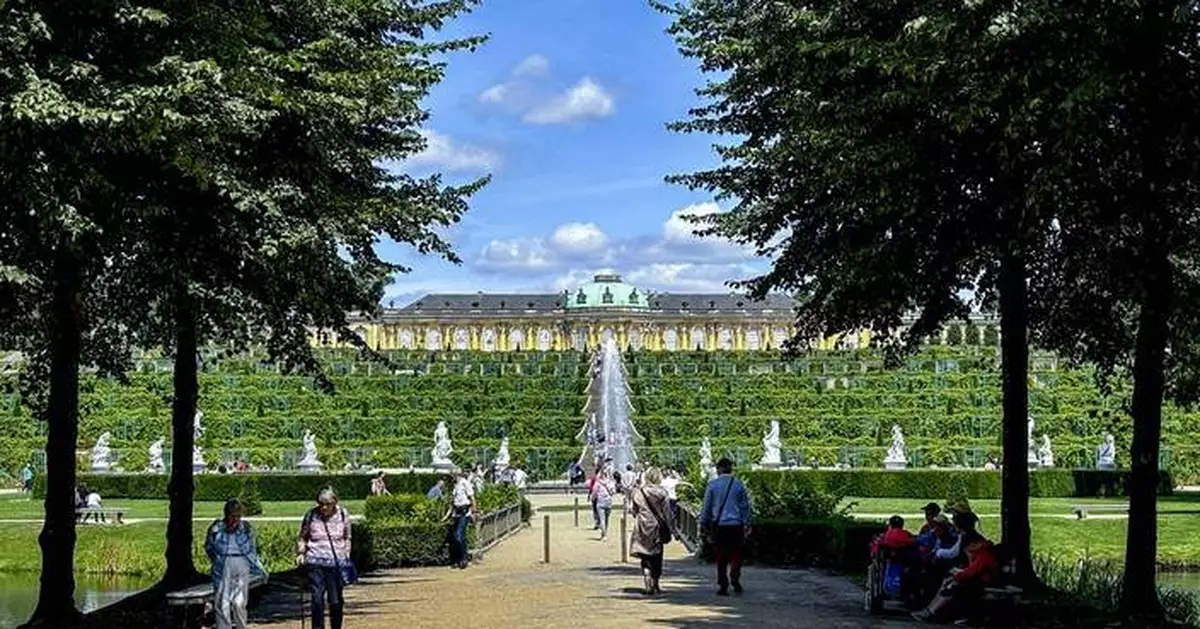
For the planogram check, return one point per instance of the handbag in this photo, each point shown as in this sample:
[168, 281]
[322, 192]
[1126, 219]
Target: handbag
[346, 569]
[664, 529]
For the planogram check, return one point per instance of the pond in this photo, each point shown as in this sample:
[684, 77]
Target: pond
[1181, 580]
[19, 594]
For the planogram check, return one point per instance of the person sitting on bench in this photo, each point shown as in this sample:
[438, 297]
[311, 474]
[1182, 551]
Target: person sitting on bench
[964, 586]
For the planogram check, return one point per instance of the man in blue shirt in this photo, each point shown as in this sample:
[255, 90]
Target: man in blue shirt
[726, 517]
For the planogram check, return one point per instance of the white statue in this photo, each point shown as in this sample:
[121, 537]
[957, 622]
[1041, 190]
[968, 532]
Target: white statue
[310, 463]
[1106, 454]
[442, 448]
[156, 457]
[771, 444]
[706, 462]
[1033, 459]
[198, 465]
[101, 454]
[1045, 454]
[896, 459]
[502, 457]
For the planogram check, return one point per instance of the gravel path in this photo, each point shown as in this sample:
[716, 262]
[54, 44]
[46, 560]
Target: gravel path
[585, 585]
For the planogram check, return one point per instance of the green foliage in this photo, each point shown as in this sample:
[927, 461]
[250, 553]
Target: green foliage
[917, 484]
[270, 487]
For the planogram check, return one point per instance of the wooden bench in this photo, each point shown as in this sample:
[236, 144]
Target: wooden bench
[101, 514]
[1081, 511]
[198, 596]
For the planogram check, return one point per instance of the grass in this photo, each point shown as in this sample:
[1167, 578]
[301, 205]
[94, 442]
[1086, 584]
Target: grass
[1065, 538]
[137, 549]
[22, 508]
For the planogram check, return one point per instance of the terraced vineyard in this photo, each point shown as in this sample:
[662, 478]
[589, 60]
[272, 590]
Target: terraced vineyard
[381, 414]
[834, 407]
[839, 407]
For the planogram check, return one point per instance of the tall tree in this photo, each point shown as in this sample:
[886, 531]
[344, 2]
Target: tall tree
[1119, 288]
[883, 161]
[275, 186]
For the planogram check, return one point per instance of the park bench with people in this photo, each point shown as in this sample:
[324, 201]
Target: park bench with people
[1081, 511]
[99, 514]
[193, 601]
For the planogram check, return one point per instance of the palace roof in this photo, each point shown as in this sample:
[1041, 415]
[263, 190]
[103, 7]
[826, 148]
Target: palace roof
[606, 292]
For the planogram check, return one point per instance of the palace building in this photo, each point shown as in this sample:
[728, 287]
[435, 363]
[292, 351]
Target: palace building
[604, 308]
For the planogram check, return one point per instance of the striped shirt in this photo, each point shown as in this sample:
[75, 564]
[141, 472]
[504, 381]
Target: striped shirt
[325, 538]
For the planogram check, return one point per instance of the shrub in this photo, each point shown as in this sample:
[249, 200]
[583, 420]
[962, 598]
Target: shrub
[412, 507]
[977, 484]
[271, 487]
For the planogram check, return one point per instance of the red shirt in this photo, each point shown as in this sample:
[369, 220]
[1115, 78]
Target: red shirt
[982, 564]
[894, 539]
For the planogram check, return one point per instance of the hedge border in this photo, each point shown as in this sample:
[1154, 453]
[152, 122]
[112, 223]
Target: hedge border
[976, 484]
[270, 487]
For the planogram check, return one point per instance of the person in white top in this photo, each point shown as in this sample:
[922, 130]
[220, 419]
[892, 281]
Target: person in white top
[602, 494]
[519, 480]
[671, 482]
[462, 509]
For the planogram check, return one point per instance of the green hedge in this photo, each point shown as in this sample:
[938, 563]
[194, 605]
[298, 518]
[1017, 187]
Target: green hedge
[940, 483]
[269, 487]
[840, 545]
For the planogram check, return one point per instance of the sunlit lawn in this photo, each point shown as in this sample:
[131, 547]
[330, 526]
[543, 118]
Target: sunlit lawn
[1056, 532]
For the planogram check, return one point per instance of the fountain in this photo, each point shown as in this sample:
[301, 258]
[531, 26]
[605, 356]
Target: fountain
[156, 465]
[101, 455]
[896, 459]
[309, 463]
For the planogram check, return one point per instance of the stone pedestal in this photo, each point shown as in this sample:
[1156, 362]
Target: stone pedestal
[310, 467]
[1106, 465]
[101, 467]
[198, 468]
[895, 465]
[444, 466]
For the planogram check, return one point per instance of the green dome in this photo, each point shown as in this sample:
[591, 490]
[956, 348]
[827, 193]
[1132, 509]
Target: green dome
[606, 291]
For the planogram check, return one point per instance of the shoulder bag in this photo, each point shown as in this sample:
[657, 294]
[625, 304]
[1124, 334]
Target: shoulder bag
[721, 509]
[664, 528]
[346, 568]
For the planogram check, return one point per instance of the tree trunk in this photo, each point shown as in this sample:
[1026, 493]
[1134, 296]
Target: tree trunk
[1014, 352]
[181, 570]
[1140, 595]
[56, 600]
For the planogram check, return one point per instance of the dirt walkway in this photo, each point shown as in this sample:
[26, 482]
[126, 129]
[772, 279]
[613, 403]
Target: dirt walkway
[585, 585]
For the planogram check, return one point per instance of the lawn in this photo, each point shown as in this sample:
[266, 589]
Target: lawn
[137, 549]
[1057, 533]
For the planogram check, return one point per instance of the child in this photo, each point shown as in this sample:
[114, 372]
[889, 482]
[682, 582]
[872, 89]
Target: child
[894, 538]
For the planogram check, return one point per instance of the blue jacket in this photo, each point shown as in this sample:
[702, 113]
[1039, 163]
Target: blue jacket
[216, 546]
[737, 506]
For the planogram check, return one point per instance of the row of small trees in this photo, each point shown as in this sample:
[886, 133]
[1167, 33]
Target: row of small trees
[179, 172]
[1037, 159]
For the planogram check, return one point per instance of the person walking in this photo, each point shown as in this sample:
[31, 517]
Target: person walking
[591, 489]
[379, 485]
[324, 547]
[233, 551]
[725, 517]
[27, 479]
[653, 527]
[602, 496]
[462, 509]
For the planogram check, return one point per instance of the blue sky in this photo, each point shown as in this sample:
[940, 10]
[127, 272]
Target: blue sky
[566, 107]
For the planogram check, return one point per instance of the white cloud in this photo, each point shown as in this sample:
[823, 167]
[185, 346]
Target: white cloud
[443, 152]
[533, 65]
[678, 229]
[674, 259]
[571, 238]
[495, 94]
[586, 99]
[531, 94]
[517, 255]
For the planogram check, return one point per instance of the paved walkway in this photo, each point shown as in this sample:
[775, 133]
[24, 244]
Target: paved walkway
[586, 585]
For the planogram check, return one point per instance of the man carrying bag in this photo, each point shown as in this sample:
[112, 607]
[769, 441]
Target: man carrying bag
[725, 520]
